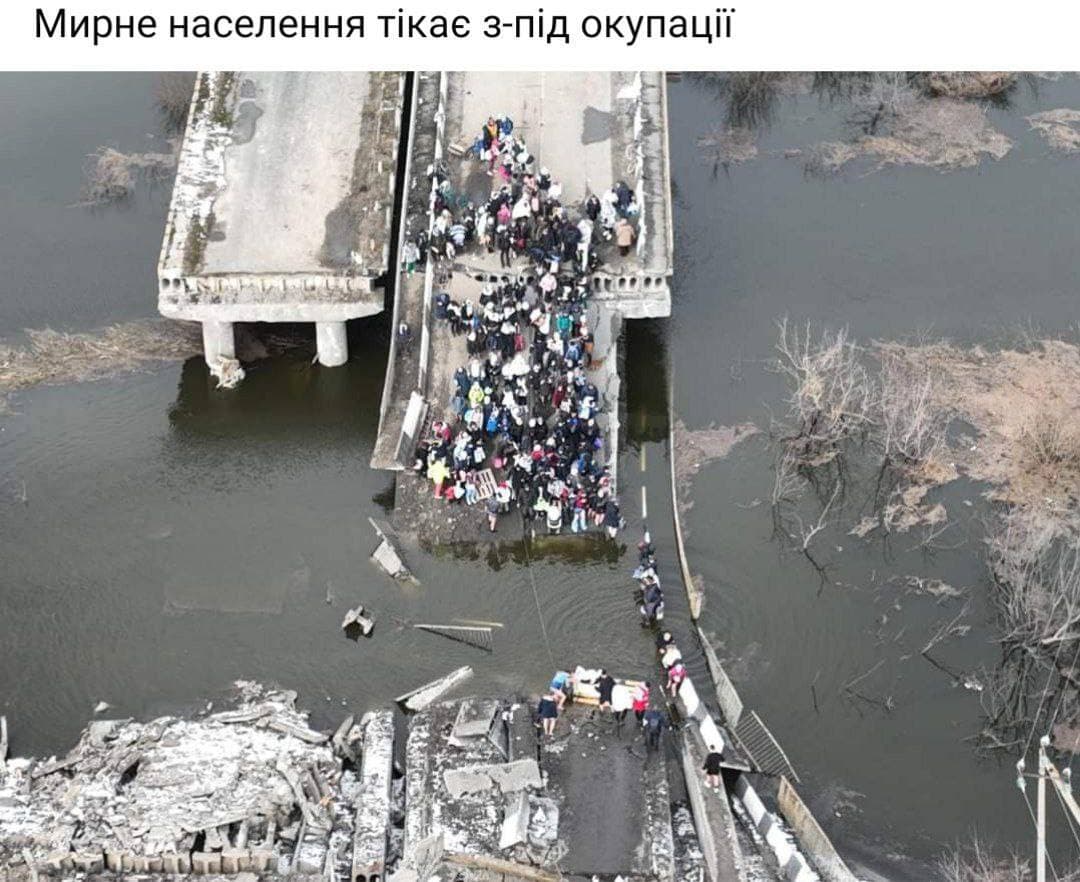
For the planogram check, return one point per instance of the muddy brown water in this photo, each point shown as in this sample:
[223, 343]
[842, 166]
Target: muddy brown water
[174, 538]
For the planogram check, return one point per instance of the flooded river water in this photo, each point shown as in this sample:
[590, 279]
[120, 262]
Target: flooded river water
[161, 539]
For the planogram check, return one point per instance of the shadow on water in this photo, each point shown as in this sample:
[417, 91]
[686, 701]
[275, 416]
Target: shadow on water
[591, 548]
[646, 382]
[284, 389]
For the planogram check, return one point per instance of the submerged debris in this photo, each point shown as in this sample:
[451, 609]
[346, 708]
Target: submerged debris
[248, 789]
[111, 176]
[55, 357]
[419, 698]
[729, 146]
[696, 448]
[1060, 128]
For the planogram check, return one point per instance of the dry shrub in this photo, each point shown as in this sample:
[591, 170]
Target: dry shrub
[110, 176]
[942, 133]
[976, 862]
[1051, 443]
[882, 98]
[828, 157]
[1036, 569]
[1060, 128]
[900, 128]
[728, 146]
[968, 84]
[172, 94]
[912, 423]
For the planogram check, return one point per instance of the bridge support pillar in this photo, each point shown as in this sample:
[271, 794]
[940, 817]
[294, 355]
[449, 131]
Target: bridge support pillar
[218, 341]
[331, 343]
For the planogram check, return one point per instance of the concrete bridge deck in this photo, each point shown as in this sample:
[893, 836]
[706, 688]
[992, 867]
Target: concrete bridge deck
[591, 130]
[282, 206]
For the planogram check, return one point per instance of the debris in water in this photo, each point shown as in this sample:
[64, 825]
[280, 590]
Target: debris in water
[101, 707]
[732, 145]
[693, 449]
[472, 635]
[355, 618]
[227, 372]
[386, 555]
[111, 176]
[418, 699]
[54, 357]
[865, 526]
[934, 587]
[1060, 128]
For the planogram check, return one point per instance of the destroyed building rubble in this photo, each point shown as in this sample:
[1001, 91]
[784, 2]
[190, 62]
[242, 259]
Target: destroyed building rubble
[252, 789]
[498, 801]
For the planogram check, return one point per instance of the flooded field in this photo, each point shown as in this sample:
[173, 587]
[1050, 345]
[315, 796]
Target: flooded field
[161, 538]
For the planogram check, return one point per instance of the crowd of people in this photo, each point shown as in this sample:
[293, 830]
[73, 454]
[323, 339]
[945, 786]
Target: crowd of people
[524, 405]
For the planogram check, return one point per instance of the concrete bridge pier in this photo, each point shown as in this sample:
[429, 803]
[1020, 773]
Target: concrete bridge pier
[219, 341]
[331, 343]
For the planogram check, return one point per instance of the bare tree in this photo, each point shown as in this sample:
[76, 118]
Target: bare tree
[831, 394]
[173, 93]
[882, 98]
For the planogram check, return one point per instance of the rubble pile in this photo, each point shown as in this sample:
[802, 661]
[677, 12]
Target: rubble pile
[251, 789]
[474, 782]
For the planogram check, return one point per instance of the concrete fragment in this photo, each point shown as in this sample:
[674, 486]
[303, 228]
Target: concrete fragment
[204, 863]
[89, 862]
[340, 739]
[515, 825]
[234, 860]
[386, 555]
[114, 860]
[507, 777]
[357, 617]
[475, 717]
[175, 864]
[372, 822]
[423, 696]
[428, 854]
[261, 859]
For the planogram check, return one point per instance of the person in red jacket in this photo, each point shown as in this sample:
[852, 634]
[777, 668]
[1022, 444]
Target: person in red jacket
[641, 700]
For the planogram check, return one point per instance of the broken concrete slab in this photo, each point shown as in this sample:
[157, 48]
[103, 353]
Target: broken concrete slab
[386, 554]
[372, 821]
[357, 618]
[515, 826]
[475, 717]
[420, 698]
[507, 777]
[144, 792]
